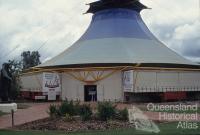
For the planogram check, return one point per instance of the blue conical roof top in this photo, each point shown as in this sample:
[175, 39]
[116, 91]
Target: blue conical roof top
[108, 4]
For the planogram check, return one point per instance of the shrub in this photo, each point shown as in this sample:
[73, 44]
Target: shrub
[106, 110]
[66, 107]
[85, 112]
[68, 117]
[77, 108]
[52, 111]
[122, 114]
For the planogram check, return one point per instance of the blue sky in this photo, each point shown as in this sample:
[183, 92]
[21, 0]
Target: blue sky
[51, 26]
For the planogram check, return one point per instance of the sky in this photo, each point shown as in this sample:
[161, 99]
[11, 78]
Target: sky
[51, 26]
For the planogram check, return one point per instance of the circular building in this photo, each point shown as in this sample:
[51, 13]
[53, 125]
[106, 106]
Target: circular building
[116, 59]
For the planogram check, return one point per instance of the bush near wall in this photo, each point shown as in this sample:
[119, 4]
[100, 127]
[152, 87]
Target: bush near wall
[85, 112]
[105, 111]
[122, 114]
[66, 107]
[53, 111]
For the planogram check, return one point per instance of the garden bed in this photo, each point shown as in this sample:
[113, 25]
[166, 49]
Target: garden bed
[60, 124]
[72, 116]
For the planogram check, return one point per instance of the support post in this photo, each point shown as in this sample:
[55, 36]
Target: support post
[12, 113]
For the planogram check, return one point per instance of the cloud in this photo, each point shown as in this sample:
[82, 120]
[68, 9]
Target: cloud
[31, 24]
[188, 36]
[176, 23]
[52, 26]
[187, 31]
[184, 39]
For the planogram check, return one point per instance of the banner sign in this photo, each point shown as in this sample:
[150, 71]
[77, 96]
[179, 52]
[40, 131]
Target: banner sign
[128, 81]
[51, 94]
[51, 85]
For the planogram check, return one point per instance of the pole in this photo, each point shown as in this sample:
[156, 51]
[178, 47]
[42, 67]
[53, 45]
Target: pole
[12, 113]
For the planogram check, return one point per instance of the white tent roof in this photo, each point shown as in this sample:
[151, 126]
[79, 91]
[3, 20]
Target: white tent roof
[117, 50]
[117, 36]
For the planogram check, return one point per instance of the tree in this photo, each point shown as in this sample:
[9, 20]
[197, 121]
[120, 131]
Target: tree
[14, 69]
[30, 59]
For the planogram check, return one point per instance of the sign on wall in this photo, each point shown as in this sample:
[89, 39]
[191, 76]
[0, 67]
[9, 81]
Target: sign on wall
[128, 80]
[51, 85]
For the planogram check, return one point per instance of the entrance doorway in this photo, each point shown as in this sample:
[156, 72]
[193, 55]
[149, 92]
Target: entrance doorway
[90, 93]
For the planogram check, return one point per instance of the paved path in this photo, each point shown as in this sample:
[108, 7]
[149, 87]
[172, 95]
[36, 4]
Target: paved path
[34, 112]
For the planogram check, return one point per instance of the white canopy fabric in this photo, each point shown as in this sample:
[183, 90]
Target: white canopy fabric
[117, 50]
[117, 36]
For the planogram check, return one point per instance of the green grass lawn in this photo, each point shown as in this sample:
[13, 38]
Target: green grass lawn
[166, 128]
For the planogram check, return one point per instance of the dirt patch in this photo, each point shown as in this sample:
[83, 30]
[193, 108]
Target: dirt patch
[73, 126]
